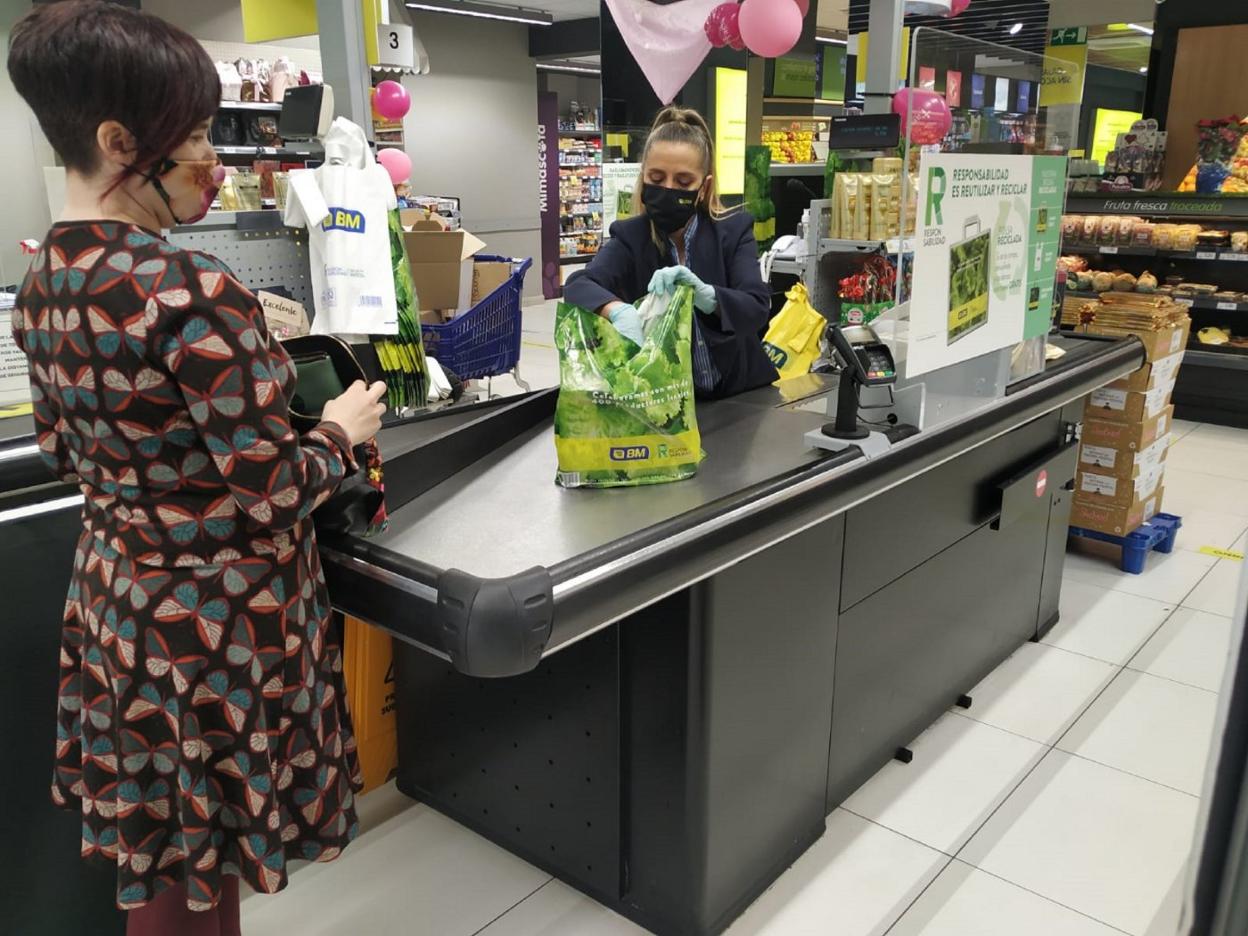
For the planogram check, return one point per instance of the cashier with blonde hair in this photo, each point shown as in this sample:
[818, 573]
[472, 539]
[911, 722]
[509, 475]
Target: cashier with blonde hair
[682, 234]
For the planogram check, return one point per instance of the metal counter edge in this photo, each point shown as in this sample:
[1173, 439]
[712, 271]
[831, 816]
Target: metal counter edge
[471, 621]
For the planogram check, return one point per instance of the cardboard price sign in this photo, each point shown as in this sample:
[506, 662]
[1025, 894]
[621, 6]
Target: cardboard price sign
[286, 318]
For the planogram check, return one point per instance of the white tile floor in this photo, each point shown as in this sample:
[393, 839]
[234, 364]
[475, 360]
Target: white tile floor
[1062, 803]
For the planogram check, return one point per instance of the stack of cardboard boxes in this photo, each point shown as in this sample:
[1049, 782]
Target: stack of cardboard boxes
[447, 276]
[1126, 427]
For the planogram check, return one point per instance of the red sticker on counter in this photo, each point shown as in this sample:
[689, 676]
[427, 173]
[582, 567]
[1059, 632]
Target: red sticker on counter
[1042, 483]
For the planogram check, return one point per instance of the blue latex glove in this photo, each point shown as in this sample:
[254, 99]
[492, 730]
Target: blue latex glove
[627, 321]
[668, 278]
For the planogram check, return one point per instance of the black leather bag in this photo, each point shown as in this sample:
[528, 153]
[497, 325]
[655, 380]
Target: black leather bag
[325, 367]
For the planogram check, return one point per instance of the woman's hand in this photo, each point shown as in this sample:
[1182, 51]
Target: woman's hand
[668, 278]
[627, 321]
[357, 412]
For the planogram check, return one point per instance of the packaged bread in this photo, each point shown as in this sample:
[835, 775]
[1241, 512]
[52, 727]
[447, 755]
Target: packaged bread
[845, 190]
[1147, 283]
[1072, 228]
[1124, 282]
[1163, 236]
[229, 194]
[1107, 230]
[1142, 236]
[862, 215]
[885, 205]
[1185, 237]
[1102, 282]
[1126, 231]
[912, 202]
[1091, 224]
[886, 165]
[1239, 241]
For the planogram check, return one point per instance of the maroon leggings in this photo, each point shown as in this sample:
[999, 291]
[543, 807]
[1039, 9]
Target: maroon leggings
[168, 915]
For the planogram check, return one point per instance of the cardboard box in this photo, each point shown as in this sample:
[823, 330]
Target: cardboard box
[1095, 488]
[487, 277]
[441, 264]
[1151, 376]
[1165, 341]
[1104, 459]
[286, 318]
[1116, 521]
[1127, 437]
[1128, 406]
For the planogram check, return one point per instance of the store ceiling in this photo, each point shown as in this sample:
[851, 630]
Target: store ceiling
[1119, 46]
[987, 20]
[565, 9]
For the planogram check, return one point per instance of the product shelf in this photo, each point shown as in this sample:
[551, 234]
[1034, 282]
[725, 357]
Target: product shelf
[1200, 304]
[1187, 205]
[1226, 357]
[263, 151]
[269, 106]
[1110, 250]
[838, 245]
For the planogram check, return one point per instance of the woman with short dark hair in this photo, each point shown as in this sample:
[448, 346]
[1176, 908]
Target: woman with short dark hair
[202, 727]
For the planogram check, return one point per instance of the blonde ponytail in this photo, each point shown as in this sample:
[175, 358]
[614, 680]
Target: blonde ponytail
[683, 125]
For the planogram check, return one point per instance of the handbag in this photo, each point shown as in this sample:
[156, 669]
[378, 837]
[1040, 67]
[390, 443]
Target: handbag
[325, 367]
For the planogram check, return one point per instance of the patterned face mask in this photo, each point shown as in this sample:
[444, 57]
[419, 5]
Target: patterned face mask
[188, 187]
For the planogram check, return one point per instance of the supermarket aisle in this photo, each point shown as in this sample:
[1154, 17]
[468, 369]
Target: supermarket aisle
[1063, 802]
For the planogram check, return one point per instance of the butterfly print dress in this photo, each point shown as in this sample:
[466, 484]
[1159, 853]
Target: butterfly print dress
[201, 723]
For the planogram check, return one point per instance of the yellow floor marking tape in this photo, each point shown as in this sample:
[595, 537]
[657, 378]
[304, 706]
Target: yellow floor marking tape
[1222, 553]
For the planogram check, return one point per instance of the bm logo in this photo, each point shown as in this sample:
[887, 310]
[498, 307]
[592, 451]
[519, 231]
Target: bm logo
[344, 219]
[778, 356]
[623, 453]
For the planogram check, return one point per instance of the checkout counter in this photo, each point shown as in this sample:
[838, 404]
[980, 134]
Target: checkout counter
[656, 694]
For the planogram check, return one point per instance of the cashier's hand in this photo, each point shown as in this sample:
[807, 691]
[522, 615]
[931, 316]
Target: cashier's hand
[627, 321]
[358, 411]
[668, 278]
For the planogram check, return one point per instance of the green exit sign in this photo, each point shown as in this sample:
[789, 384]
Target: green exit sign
[1071, 35]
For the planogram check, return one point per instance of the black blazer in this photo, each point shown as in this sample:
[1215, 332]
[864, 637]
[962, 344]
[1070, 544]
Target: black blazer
[723, 254]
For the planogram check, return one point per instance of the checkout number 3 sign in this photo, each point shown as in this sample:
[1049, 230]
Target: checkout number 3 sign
[395, 46]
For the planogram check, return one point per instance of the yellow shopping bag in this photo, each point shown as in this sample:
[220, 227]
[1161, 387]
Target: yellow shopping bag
[368, 667]
[792, 340]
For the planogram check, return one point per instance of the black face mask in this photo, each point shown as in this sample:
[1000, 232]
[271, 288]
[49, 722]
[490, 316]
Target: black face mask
[670, 209]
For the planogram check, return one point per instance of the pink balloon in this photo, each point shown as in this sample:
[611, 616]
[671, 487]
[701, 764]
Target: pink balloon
[714, 25]
[730, 26]
[770, 28]
[711, 28]
[925, 115]
[804, 6]
[397, 163]
[957, 7]
[393, 102]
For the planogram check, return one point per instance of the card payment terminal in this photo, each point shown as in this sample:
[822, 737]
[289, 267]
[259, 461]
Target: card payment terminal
[868, 362]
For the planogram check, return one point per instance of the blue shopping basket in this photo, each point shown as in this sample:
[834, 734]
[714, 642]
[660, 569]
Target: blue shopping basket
[485, 340]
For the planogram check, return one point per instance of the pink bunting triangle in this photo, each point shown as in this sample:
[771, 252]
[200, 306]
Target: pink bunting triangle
[667, 40]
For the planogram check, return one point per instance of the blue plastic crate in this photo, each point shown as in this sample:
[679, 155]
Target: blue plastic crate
[1157, 534]
[485, 340]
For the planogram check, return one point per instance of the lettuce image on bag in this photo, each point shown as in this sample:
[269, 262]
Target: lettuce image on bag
[625, 414]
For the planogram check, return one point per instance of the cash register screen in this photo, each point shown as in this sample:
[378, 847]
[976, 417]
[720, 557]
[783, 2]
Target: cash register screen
[301, 112]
